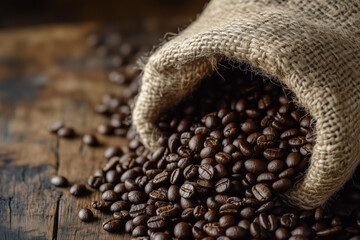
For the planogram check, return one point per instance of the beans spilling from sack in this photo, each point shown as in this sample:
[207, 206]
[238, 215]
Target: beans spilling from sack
[233, 147]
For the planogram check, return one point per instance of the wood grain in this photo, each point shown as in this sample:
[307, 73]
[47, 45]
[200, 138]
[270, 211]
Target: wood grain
[49, 73]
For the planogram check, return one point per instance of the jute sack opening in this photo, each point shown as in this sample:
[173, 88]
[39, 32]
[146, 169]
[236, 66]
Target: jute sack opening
[311, 46]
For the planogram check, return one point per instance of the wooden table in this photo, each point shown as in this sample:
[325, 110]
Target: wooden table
[49, 73]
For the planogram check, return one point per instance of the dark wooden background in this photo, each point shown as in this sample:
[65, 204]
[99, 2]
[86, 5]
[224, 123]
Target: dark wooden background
[47, 72]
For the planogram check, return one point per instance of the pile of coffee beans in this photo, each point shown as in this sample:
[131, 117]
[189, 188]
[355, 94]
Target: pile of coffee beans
[231, 149]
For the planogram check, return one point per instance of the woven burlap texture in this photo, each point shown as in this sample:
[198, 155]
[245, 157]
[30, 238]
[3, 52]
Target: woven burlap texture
[311, 46]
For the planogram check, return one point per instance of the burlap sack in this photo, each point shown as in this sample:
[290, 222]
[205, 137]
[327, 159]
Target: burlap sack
[312, 46]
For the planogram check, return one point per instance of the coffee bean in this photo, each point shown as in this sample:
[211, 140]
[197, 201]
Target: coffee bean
[106, 186]
[182, 230]
[110, 195]
[273, 153]
[223, 158]
[245, 148]
[137, 197]
[139, 231]
[266, 177]
[289, 220]
[174, 142]
[250, 126]
[330, 232]
[196, 142]
[213, 229]
[223, 185]
[255, 165]
[247, 213]
[236, 232]
[138, 209]
[167, 211]
[121, 215]
[276, 166]
[101, 205]
[190, 172]
[282, 233]
[140, 220]
[199, 211]
[261, 192]
[112, 152]
[187, 190]
[90, 140]
[158, 195]
[86, 215]
[161, 179]
[66, 132]
[206, 171]
[59, 181]
[129, 226]
[211, 216]
[161, 236]
[112, 225]
[156, 222]
[282, 185]
[78, 189]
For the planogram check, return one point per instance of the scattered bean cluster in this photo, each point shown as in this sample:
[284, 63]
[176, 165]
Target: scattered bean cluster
[233, 146]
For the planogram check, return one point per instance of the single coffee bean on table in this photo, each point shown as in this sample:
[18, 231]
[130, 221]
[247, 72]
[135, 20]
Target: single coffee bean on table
[230, 149]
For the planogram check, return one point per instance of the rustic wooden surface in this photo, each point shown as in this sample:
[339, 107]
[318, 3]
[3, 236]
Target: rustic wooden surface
[49, 73]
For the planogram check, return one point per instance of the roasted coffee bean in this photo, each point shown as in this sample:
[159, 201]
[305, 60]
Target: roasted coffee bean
[289, 220]
[139, 231]
[112, 152]
[173, 193]
[188, 214]
[276, 166]
[168, 211]
[101, 205]
[78, 189]
[211, 216]
[106, 186]
[190, 172]
[196, 142]
[282, 233]
[223, 158]
[187, 203]
[138, 209]
[231, 130]
[161, 179]
[261, 192]
[90, 140]
[112, 177]
[282, 185]
[112, 225]
[156, 222]
[247, 213]
[158, 195]
[229, 209]
[140, 220]
[174, 142]
[273, 153]
[121, 215]
[207, 152]
[182, 230]
[129, 226]
[199, 211]
[223, 185]
[137, 197]
[86, 215]
[266, 177]
[227, 221]
[213, 229]
[245, 148]
[236, 232]
[250, 126]
[59, 181]
[187, 190]
[161, 236]
[255, 165]
[66, 132]
[110, 195]
[176, 176]
[330, 232]
[206, 171]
